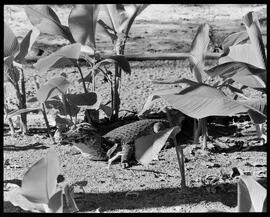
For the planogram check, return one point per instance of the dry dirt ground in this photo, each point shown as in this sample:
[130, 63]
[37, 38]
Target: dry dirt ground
[155, 188]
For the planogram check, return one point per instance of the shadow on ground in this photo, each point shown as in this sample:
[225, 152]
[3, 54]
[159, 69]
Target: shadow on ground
[152, 198]
[35, 146]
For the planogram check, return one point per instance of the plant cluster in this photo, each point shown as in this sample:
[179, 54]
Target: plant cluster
[243, 61]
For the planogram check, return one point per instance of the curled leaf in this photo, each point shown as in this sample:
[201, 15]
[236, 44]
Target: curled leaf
[148, 147]
[46, 20]
[52, 88]
[39, 182]
[82, 23]
[68, 54]
[11, 44]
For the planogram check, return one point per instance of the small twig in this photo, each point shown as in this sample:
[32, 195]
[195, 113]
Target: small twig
[47, 123]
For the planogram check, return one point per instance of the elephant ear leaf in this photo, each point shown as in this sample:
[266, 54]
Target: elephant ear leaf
[26, 43]
[52, 88]
[11, 44]
[68, 54]
[82, 23]
[201, 100]
[46, 20]
[148, 147]
[198, 51]
[39, 182]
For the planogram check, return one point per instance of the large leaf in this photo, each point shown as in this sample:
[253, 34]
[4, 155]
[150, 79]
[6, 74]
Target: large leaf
[39, 182]
[200, 101]
[243, 73]
[17, 199]
[11, 44]
[258, 104]
[55, 204]
[26, 43]
[65, 55]
[234, 39]
[241, 53]
[11, 73]
[45, 19]
[52, 88]
[198, 51]
[148, 147]
[88, 100]
[155, 96]
[121, 18]
[252, 25]
[252, 197]
[82, 23]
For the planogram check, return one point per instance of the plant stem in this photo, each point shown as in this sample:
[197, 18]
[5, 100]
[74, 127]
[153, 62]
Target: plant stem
[83, 81]
[47, 123]
[23, 104]
[204, 133]
[197, 132]
[87, 112]
[119, 49]
[10, 123]
[179, 153]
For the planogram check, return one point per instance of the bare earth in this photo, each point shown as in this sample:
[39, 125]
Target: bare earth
[155, 188]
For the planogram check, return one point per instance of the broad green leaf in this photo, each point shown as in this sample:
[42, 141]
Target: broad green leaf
[26, 44]
[241, 53]
[258, 104]
[89, 100]
[122, 62]
[45, 19]
[11, 73]
[11, 44]
[117, 16]
[68, 54]
[148, 147]
[21, 111]
[155, 96]
[200, 101]
[55, 204]
[121, 18]
[39, 182]
[243, 73]
[82, 23]
[17, 199]
[252, 25]
[252, 196]
[52, 88]
[234, 39]
[198, 51]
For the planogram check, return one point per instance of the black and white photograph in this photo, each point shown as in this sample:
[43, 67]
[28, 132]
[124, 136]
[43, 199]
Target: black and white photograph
[135, 108]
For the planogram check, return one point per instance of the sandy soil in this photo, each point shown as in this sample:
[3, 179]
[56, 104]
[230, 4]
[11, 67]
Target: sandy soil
[159, 29]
